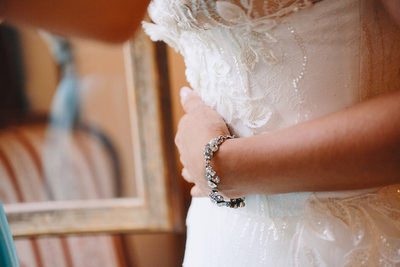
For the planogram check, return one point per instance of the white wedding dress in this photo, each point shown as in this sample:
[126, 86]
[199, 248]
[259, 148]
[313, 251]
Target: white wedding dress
[268, 64]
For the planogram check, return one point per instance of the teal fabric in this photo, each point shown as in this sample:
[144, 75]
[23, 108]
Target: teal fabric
[8, 255]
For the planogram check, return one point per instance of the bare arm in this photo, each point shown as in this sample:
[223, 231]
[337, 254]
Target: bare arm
[355, 148]
[113, 21]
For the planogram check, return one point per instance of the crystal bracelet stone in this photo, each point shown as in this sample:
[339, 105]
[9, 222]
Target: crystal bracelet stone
[212, 178]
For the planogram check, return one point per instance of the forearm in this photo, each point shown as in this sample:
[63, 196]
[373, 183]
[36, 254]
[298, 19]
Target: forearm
[112, 21]
[355, 148]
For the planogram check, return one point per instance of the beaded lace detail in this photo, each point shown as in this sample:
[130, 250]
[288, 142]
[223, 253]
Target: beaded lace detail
[373, 217]
[252, 20]
[196, 28]
[205, 14]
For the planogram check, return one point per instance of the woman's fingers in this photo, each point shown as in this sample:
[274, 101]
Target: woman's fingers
[195, 128]
[196, 192]
[182, 160]
[189, 99]
[187, 176]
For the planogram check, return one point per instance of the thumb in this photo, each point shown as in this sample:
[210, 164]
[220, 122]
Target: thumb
[189, 99]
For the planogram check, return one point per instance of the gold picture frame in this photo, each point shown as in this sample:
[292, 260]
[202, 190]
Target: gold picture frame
[158, 206]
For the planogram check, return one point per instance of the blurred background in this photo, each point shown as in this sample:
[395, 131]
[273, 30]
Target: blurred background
[66, 134]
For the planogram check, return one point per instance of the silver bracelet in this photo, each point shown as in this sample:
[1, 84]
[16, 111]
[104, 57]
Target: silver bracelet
[212, 178]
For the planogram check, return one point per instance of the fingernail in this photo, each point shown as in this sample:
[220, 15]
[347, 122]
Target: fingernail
[185, 91]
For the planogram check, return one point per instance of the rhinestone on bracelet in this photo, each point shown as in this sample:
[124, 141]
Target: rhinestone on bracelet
[212, 178]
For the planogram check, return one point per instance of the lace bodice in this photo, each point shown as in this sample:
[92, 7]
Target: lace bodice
[265, 65]
[251, 19]
[203, 15]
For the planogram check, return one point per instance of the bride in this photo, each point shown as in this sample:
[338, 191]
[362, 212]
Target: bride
[315, 167]
[309, 90]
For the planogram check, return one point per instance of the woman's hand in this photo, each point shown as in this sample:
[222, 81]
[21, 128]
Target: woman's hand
[198, 126]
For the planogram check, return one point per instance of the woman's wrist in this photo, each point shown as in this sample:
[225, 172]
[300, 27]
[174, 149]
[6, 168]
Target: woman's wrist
[230, 165]
[255, 165]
